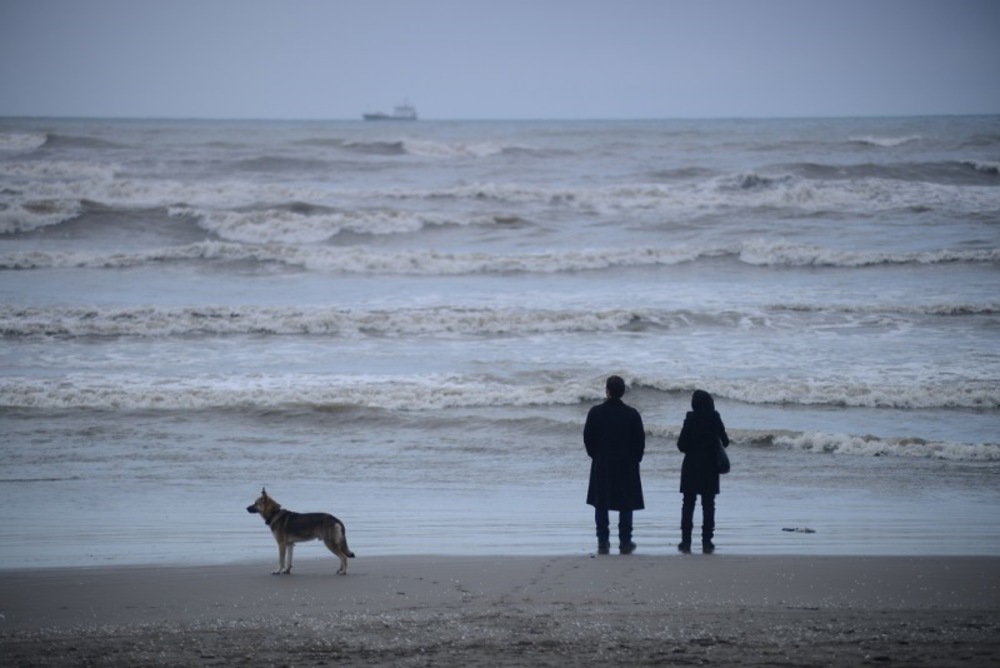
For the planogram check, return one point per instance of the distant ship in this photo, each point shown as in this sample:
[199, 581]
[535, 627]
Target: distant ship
[403, 112]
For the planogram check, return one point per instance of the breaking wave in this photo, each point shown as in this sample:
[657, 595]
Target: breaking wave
[797, 190]
[300, 223]
[770, 254]
[873, 446]
[885, 142]
[436, 392]
[72, 322]
[430, 262]
[791, 392]
[848, 444]
[21, 142]
[427, 148]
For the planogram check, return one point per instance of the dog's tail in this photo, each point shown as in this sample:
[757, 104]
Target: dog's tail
[335, 537]
[343, 538]
[343, 541]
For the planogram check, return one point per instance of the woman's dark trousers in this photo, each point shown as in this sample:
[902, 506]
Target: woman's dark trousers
[707, 517]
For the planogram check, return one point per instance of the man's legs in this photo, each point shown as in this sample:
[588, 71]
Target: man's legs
[603, 529]
[625, 544]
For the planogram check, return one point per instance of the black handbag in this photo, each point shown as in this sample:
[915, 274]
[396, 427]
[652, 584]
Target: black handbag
[721, 457]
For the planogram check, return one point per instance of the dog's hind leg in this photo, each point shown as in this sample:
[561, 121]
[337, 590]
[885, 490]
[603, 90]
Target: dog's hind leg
[343, 561]
[333, 540]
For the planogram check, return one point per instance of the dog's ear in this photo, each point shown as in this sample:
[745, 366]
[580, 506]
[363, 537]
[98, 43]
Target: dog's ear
[263, 491]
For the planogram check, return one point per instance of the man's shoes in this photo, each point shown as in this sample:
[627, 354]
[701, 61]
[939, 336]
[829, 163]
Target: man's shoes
[707, 546]
[684, 547]
[603, 548]
[627, 548]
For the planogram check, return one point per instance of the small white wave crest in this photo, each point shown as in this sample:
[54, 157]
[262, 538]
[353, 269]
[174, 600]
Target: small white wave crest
[281, 225]
[258, 392]
[873, 446]
[43, 194]
[34, 214]
[770, 253]
[972, 393]
[848, 444]
[458, 149]
[70, 322]
[359, 260]
[885, 142]
[450, 391]
[991, 168]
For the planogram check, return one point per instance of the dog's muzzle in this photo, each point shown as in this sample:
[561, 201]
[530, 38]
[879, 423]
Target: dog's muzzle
[251, 509]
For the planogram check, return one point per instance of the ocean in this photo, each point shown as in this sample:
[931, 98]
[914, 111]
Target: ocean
[404, 324]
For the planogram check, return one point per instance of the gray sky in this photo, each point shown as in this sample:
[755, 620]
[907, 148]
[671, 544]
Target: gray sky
[498, 58]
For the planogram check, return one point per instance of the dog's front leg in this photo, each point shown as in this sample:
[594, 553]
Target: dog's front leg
[288, 564]
[281, 558]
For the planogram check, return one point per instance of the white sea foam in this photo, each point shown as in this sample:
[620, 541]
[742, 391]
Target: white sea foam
[985, 167]
[69, 322]
[358, 260]
[970, 393]
[886, 142]
[290, 227]
[43, 194]
[220, 321]
[426, 392]
[409, 393]
[872, 446]
[148, 321]
[769, 253]
[72, 177]
[441, 149]
[21, 142]
[34, 214]
[865, 445]
[231, 205]
[450, 391]
[945, 309]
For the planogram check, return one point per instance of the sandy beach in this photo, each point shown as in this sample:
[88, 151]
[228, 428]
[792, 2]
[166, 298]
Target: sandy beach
[543, 610]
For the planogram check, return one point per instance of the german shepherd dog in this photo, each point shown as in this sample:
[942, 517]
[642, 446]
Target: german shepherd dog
[289, 528]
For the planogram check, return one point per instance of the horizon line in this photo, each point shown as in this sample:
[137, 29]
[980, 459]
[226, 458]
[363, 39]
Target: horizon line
[359, 119]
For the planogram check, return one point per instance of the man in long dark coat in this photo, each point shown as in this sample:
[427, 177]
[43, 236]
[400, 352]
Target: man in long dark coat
[615, 440]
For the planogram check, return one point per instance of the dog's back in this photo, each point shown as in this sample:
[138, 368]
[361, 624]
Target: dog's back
[295, 527]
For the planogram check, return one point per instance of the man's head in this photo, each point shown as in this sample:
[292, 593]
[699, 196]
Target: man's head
[615, 387]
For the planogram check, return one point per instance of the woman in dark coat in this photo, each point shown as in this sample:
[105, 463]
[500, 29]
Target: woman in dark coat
[702, 430]
[615, 440]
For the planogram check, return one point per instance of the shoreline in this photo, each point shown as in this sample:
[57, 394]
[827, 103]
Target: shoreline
[488, 610]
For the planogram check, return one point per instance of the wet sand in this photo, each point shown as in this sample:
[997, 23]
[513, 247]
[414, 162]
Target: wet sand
[489, 611]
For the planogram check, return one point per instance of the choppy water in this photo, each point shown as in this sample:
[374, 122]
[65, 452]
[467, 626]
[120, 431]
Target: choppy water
[404, 324]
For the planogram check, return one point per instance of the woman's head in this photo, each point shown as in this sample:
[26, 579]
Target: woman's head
[702, 402]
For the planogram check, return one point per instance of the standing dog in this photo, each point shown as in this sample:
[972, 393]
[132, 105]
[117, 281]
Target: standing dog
[289, 528]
